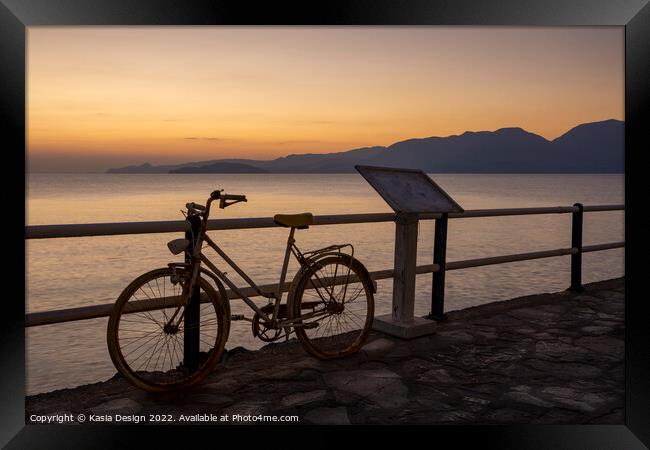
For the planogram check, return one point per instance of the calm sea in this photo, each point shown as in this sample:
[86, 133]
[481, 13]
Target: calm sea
[72, 272]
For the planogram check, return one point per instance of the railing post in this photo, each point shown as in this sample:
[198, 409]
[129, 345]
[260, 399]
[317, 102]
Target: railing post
[439, 258]
[406, 250]
[401, 322]
[191, 333]
[576, 242]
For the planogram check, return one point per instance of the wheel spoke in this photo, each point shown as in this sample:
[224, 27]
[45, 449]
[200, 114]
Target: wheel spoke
[347, 306]
[150, 348]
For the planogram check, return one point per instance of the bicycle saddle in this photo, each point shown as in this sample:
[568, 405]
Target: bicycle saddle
[294, 220]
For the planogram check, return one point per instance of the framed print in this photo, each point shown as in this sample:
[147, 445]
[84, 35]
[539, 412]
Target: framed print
[493, 294]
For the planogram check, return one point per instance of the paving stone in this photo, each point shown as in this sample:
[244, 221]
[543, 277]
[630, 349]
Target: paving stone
[576, 404]
[303, 398]
[379, 345]
[524, 397]
[435, 376]
[559, 351]
[553, 358]
[534, 314]
[382, 387]
[567, 370]
[559, 391]
[224, 385]
[526, 330]
[456, 336]
[486, 333]
[603, 345]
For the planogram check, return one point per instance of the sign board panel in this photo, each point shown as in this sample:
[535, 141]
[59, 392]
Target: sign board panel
[408, 190]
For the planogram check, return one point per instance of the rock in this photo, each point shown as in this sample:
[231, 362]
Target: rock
[303, 398]
[603, 345]
[575, 404]
[486, 333]
[117, 406]
[534, 314]
[278, 373]
[525, 330]
[456, 336]
[435, 376]
[378, 345]
[558, 391]
[611, 295]
[595, 329]
[569, 370]
[559, 351]
[524, 397]
[225, 385]
[521, 388]
[476, 400]
[328, 416]
[383, 387]
[554, 307]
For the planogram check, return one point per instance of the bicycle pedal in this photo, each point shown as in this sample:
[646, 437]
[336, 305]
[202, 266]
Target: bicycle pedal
[310, 325]
[237, 317]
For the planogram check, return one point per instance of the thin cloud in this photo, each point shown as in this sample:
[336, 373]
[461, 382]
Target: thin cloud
[293, 142]
[203, 138]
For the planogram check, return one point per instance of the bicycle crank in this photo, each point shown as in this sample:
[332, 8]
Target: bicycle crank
[263, 331]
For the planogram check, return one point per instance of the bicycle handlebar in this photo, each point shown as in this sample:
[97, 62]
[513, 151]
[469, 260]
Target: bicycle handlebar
[196, 206]
[226, 199]
[239, 198]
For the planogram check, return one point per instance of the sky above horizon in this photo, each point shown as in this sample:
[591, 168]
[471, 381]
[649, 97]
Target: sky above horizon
[100, 97]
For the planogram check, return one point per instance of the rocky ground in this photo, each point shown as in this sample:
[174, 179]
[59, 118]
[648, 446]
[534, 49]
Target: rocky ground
[550, 358]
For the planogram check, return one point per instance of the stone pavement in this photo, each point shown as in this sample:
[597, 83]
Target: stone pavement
[550, 358]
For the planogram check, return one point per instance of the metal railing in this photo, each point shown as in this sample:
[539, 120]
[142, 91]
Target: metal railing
[405, 258]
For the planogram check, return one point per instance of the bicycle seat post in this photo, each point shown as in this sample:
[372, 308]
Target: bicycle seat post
[283, 273]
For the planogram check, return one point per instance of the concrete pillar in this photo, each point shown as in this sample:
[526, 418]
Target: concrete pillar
[401, 322]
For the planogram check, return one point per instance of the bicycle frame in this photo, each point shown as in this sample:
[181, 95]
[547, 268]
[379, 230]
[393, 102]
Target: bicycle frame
[277, 296]
[197, 257]
[291, 248]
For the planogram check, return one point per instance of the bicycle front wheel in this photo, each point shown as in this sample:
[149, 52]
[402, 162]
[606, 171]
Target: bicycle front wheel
[335, 300]
[147, 330]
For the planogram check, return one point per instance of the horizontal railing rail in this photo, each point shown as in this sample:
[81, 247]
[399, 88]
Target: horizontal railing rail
[172, 226]
[109, 229]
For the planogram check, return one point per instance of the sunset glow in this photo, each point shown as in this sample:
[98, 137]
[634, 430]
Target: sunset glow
[105, 97]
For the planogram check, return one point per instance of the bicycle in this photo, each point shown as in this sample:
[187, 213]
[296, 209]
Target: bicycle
[329, 307]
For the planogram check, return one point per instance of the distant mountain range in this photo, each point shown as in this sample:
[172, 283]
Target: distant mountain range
[596, 147]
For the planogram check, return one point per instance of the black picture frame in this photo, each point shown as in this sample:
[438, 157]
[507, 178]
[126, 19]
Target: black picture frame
[634, 15]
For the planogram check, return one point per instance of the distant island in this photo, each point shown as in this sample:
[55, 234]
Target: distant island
[596, 147]
[220, 167]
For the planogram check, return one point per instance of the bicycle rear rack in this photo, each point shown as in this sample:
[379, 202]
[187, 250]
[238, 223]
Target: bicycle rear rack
[329, 249]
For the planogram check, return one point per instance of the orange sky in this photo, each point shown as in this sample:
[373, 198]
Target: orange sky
[100, 97]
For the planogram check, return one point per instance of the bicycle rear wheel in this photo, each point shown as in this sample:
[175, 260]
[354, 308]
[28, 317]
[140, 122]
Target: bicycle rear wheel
[147, 346]
[335, 299]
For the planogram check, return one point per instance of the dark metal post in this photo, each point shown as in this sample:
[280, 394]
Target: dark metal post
[439, 258]
[576, 242]
[191, 334]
